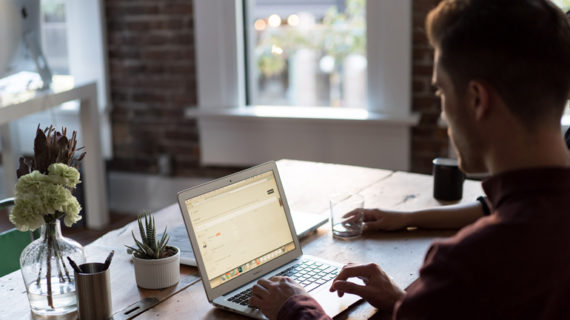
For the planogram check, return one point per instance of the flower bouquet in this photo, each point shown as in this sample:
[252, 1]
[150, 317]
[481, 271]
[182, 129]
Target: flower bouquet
[43, 195]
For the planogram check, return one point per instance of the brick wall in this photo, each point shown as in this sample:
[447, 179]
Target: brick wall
[428, 139]
[153, 79]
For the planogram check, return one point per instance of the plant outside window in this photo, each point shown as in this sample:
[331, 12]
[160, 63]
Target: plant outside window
[306, 57]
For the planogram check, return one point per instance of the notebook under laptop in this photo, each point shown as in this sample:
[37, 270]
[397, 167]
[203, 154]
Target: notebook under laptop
[305, 223]
[241, 229]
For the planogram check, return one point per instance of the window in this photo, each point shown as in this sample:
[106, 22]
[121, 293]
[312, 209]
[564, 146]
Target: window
[237, 130]
[306, 53]
[54, 35]
[220, 50]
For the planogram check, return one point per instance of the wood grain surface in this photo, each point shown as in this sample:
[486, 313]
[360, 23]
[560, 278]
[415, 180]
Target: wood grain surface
[308, 185]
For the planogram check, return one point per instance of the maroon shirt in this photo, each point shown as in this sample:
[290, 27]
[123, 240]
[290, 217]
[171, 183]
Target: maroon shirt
[513, 264]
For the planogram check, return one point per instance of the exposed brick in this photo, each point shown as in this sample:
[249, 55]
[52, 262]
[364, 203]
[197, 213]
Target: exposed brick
[425, 103]
[422, 55]
[420, 85]
[428, 139]
[133, 164]
[422, 69]
[178, 9]
[419, 37]
[422, 164]
[152, 75]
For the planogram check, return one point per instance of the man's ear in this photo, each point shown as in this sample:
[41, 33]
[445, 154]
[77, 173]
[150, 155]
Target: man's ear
[478, 95]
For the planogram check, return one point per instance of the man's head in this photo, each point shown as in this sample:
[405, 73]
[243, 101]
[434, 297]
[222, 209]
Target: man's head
[515, 50]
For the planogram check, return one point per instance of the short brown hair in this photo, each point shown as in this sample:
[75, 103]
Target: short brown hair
[520, 47]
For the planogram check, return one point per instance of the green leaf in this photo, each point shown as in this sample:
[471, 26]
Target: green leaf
[150, 232]
[149, 247]
[148, 252]
[134, 238]
[141, 230]
[164, 240]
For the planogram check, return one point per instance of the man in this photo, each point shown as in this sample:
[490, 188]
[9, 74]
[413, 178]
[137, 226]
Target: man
[502, 70]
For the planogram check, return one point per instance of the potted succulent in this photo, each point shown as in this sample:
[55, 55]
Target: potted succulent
[157, 265]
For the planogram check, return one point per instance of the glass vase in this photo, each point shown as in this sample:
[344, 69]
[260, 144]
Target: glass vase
[48, 276]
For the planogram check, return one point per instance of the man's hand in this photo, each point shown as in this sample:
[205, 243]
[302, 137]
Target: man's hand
[269, 295]
[376, 219]
[378, 289]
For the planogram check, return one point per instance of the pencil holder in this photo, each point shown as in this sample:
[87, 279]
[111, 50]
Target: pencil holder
[93, 288]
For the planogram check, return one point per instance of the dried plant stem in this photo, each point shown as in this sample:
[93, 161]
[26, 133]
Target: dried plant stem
[53, 251]
[60, 261]
[40, 253]
[58, 264]
[48, 275]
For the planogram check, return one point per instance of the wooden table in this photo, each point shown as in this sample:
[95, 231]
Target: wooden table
[307, 185]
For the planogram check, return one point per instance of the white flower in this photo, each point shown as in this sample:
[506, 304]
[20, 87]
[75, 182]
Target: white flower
[38, 195]
[63, 174]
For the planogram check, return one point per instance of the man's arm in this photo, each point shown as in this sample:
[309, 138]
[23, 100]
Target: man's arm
[441, 291]
[445, 217]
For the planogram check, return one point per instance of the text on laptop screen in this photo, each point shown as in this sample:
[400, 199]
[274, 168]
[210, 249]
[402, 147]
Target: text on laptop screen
[230, 222]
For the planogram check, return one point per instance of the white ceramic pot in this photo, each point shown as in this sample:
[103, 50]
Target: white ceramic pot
[157, 273]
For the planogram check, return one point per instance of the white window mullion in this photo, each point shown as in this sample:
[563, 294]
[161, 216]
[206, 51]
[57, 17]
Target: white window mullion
[389, 49]
[219, 51]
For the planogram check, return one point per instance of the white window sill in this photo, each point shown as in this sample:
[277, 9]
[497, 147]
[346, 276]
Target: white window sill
[297, 114]
[248, 136]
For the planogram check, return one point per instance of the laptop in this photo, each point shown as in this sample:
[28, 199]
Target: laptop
[241, 230]
[305, 224]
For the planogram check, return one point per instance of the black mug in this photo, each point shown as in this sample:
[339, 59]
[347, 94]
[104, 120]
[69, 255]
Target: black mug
[447, 180]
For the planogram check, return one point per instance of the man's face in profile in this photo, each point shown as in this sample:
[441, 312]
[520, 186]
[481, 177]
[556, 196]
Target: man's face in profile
[461, 129]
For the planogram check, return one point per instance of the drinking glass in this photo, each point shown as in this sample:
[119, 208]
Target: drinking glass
[347, 215]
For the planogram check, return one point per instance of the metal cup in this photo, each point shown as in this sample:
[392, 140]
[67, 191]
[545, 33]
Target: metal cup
[93, 287]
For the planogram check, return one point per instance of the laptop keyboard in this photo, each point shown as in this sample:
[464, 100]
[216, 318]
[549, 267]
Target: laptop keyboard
[309, 274]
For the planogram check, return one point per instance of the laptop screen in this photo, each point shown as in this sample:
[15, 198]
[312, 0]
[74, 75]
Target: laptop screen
[240, 227]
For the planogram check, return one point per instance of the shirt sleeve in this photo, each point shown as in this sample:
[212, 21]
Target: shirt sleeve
[302, 307]
[436, 294]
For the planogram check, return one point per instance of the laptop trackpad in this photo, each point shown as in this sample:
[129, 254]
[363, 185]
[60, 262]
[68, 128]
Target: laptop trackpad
[330, 301]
